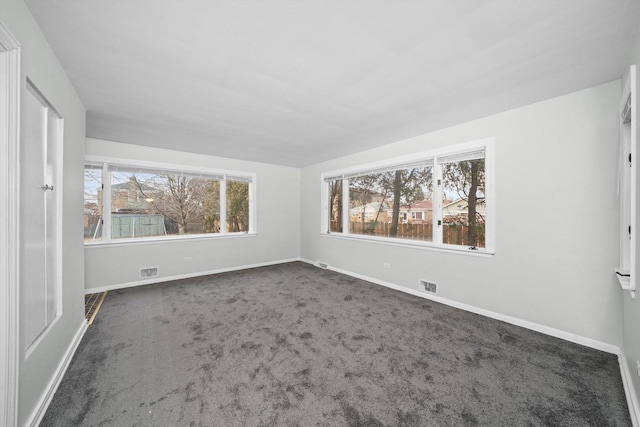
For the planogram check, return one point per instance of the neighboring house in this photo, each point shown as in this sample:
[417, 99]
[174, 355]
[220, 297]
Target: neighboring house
[369, 212]
[127, 197]
[458, 210]
[417, 213]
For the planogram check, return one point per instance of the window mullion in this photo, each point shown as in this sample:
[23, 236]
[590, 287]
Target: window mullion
[325, 223]
[106, 203]
[437, 204]
[223, 206]
[252, 210]
[345, 206]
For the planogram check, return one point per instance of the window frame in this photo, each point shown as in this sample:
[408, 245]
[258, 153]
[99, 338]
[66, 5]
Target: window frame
[486, 144]
[105, 162]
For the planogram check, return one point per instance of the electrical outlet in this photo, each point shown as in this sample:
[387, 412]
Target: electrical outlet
[187, 259]
[387, 265]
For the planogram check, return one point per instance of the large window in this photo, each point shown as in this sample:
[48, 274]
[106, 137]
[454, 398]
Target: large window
[148, 202]
[381, 203]
[434, 199]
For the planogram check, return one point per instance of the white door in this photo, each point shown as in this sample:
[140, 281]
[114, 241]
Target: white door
[38, 208]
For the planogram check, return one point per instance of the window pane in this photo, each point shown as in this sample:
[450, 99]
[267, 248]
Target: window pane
[464, 204]
[335, 205]
[92, 202]
[394, 203]
[212, 207]
[368, 204]
[237, 206]
[159, 204]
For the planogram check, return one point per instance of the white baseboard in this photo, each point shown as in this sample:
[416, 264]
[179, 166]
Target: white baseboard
[47, 395]
[629, 390]
[568, 336]
[183, 276]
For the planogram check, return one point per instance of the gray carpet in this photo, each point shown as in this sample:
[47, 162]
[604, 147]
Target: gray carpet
[295, 345]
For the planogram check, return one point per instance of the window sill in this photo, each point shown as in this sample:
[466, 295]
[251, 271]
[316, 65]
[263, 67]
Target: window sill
[481, 253]
[624, 278]
[166, 239]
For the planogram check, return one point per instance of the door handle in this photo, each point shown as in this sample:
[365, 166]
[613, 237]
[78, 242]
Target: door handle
[47, 187]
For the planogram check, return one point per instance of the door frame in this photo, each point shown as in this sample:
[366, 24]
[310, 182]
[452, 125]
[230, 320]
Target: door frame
[10, 79]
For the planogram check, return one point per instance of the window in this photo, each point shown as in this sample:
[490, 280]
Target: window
[334, 211]
[149, 202]
[438, 200]
[379, 200]
[237, 205]
[92, 202]
[463, 199]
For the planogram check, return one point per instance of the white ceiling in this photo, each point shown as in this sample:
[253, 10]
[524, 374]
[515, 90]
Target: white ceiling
[298, 82]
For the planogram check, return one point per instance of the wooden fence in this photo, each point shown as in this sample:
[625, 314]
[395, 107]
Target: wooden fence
[451, 234]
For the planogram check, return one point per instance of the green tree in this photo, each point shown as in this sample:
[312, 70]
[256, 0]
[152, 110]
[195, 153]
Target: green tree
[335, 204]
[211, 219]
[407, 188]
[467, 180]
[404, 186]
[237, 206]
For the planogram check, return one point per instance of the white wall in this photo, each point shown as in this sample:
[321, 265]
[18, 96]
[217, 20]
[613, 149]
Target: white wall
[556, 219]
[631, 333]
[278, 225]
[41, 66]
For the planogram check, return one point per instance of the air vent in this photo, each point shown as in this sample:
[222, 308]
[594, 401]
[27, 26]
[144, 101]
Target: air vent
[429, 287]
[149, 272]
[322, 265]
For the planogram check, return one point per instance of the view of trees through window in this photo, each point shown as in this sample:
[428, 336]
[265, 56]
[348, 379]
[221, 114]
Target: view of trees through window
[381, 203]
[153, 203]
[335, 205]
[398, 202]
[92, 202]
[463, 203]
[237, 206]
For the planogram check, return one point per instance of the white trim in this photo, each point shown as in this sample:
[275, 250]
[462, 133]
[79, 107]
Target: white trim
[627, 186]
[411, 158]
[634, 183]
[185, 276]
[485, 144]
[173, 167]
[415, 244]
[10, 86]
[45, 399]
[226, 175]
[34, 345]
[567, 336]
[127, 241]
[629, 391]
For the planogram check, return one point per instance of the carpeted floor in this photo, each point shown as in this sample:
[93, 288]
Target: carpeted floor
[295, 345]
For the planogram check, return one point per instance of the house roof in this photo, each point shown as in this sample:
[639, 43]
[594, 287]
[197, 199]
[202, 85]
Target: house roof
[126, 185]
[368, 207]
[417, 206]
[464, 202]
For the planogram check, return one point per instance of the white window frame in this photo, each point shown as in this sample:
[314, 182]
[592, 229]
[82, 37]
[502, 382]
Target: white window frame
[225, 174]
[486, 144]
